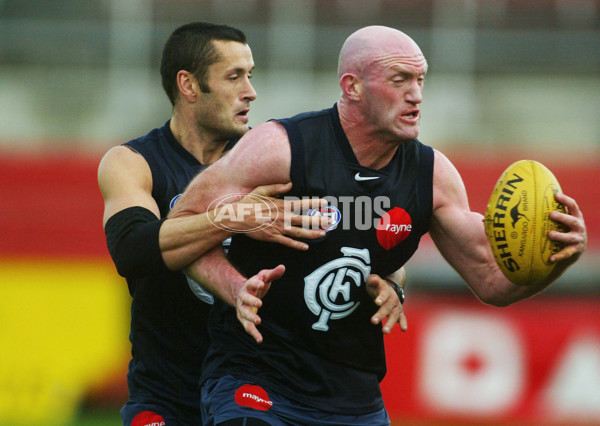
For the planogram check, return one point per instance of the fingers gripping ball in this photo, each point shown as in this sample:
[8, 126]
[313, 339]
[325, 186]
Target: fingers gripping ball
[517, 222]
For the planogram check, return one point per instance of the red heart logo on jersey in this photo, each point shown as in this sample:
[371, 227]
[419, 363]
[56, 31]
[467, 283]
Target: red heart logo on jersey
[394, 227]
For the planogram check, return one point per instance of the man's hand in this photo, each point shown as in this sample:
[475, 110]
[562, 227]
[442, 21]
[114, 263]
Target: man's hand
[575, 239]
[389, 304]
[276, 220]
[249, 299]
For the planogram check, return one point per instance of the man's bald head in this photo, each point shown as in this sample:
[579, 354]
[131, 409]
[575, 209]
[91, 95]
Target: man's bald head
[373, 44]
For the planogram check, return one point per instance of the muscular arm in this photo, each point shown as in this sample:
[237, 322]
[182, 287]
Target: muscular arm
[261, 157]
[459, 235]
[125, 181]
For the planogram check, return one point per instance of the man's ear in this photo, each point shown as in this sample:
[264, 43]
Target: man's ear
[351, 86]
[188, 85]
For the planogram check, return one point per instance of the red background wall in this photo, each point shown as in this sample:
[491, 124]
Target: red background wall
[52, 205]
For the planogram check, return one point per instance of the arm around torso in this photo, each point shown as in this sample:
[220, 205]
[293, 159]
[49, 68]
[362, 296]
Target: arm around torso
[261, 157]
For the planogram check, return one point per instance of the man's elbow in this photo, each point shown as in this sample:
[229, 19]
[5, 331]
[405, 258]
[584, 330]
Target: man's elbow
[497, 302]
[133, 264]
[132, 241]
[493, 297]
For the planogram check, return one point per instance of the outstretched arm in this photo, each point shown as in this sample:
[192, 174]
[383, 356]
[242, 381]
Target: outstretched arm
[459, 235]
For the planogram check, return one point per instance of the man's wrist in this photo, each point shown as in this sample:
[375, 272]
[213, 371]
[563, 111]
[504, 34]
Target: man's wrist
[221, 218]
[398, 289]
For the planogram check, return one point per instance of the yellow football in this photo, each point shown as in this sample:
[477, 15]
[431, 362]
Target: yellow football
[517, 221]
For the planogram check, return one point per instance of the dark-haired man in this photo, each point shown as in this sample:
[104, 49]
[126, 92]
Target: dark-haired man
[206, 71]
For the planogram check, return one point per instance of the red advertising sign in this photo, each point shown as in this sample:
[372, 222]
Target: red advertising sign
[535, 361]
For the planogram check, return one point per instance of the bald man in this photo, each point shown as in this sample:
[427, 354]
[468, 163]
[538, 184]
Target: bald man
[300, 341]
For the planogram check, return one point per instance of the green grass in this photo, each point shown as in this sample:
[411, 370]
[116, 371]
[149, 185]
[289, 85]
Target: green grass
[98, 418]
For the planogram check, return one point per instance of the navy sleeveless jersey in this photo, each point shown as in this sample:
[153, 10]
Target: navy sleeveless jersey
[319, 346]
[169, 333]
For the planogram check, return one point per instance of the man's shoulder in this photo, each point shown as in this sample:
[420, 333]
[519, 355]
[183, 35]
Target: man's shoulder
[154, 135]
[307, 115]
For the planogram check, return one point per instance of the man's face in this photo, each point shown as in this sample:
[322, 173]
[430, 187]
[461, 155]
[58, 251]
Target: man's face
[394, 91]
[224, 111]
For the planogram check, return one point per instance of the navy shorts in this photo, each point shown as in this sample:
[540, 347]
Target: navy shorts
[147, 414]
[227, 398]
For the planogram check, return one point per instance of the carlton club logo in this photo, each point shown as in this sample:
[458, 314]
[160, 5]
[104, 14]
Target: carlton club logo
[394, 227]
[328, 290]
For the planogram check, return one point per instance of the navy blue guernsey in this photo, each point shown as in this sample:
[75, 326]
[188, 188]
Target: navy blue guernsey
[168, 322]
[320, 347]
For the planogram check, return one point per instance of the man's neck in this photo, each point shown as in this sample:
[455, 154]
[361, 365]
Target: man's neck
[370, 149]
[204, 147]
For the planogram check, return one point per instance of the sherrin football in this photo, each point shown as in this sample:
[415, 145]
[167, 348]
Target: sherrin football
[517, 221]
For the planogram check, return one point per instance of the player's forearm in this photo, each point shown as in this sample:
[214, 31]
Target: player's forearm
[216, 274]
[490, 285]
[187, 236]
[506, 292]
[185, 239]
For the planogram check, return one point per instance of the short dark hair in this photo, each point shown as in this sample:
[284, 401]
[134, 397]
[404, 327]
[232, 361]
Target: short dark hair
[190, 48]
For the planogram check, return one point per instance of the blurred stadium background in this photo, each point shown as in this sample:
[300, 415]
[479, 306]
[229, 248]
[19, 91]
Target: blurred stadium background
[509, 79]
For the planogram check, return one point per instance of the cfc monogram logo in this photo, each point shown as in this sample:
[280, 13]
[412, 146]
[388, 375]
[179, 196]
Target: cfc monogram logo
[327, 290]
